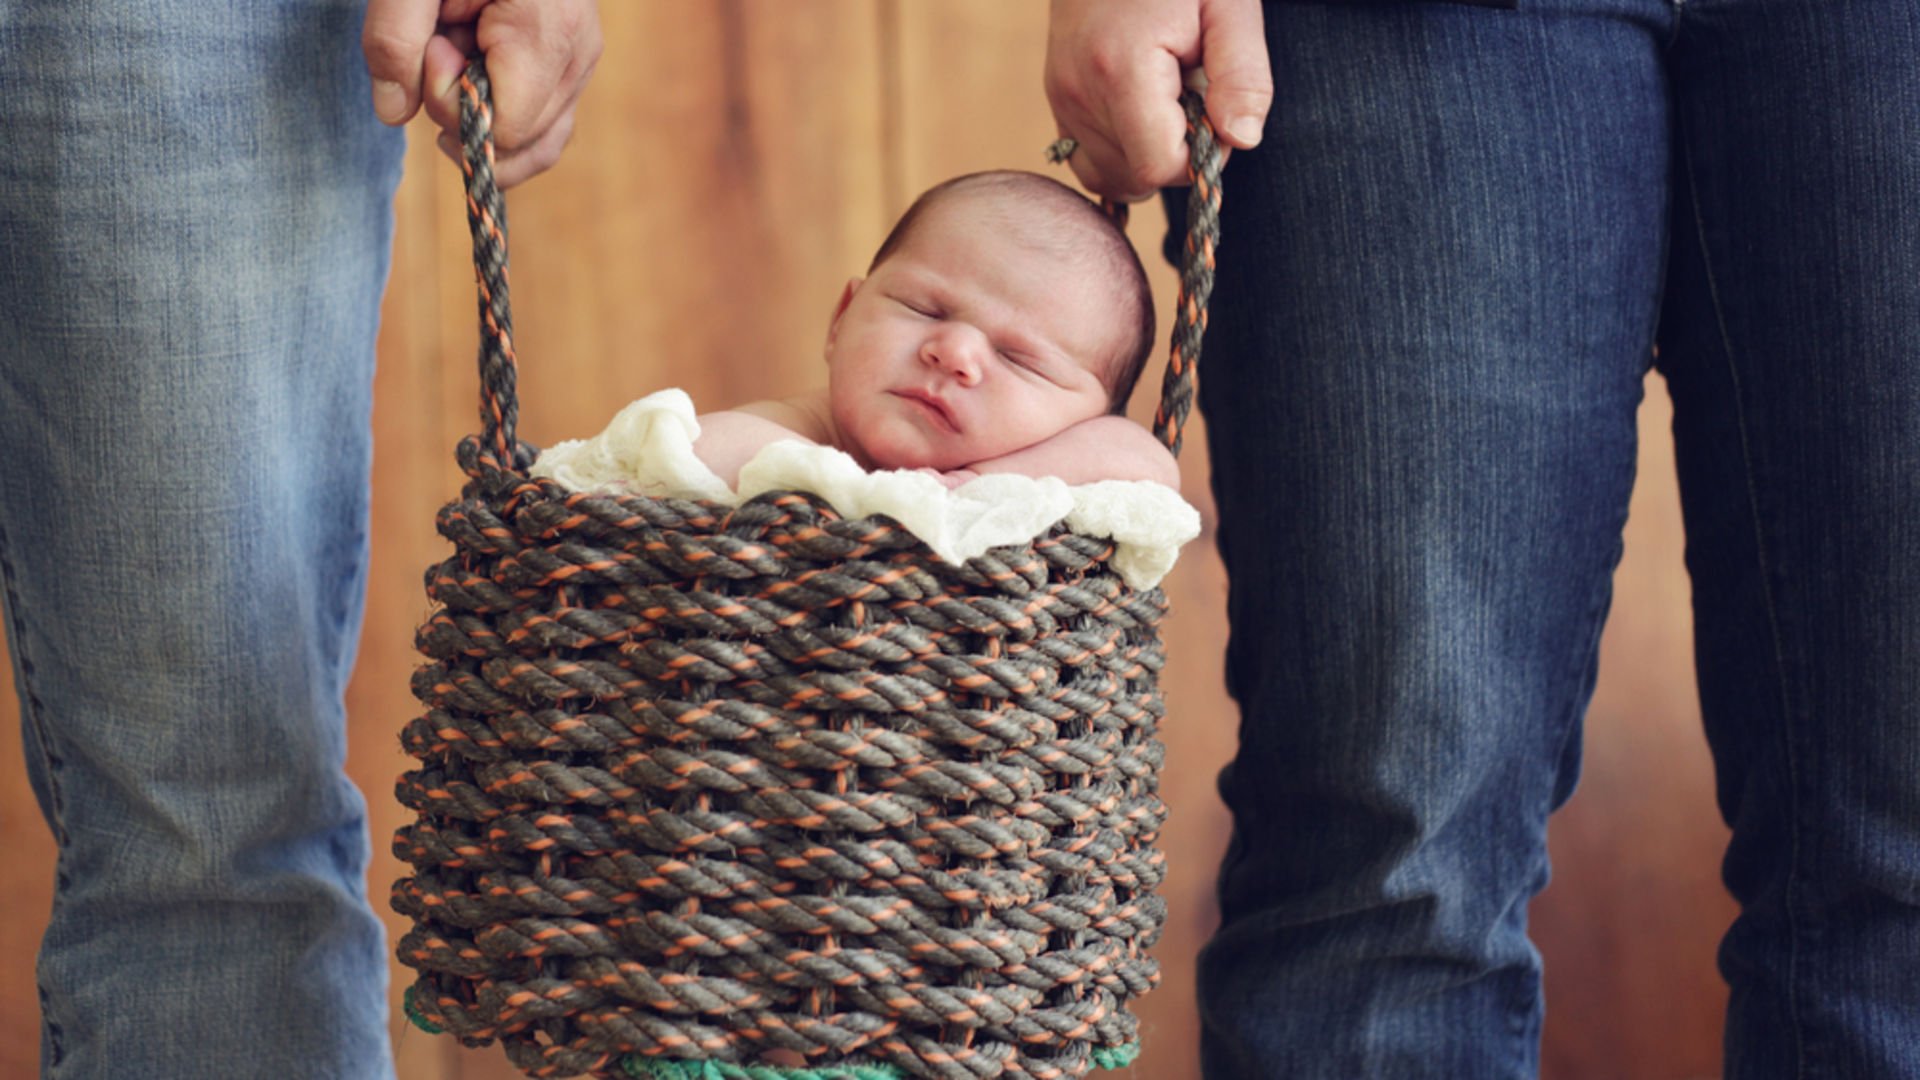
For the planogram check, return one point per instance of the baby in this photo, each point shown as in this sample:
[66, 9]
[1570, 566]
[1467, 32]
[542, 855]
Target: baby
[1000, 328]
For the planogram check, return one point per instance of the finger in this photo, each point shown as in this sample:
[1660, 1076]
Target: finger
[539, 53]
[1102, 169]
[1148, 126]
[440, 89]
[1098, 161]
[530, 161]
[1068, 80]
[394, 39]
[1239, 74]
[545, 152]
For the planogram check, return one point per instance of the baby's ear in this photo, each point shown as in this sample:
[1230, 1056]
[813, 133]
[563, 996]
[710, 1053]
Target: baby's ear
[839, 309]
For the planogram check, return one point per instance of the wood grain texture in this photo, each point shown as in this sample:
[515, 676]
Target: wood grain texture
[26, 893]
[733, 164]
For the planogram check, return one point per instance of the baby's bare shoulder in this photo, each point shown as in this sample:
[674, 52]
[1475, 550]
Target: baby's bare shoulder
[804, 415]
[730, 439]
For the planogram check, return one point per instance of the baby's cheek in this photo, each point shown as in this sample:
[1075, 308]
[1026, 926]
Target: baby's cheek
[887, 444]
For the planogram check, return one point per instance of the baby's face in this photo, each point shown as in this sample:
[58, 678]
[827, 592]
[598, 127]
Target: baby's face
[969, 342]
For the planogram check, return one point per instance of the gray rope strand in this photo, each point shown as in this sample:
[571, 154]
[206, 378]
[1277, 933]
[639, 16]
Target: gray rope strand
[487, 219]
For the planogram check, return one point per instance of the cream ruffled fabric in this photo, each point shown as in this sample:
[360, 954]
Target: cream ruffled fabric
[648, 449]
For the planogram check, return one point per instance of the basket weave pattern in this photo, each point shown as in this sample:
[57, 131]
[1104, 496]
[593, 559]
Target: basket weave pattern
[700, 781]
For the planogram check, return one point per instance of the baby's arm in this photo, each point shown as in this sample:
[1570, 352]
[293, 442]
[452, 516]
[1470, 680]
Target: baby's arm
[1103, 448]
[728, 440]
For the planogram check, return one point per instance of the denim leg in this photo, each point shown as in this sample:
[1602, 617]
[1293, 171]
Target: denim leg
[1439, 277]
[1791, 343]
[193, 241]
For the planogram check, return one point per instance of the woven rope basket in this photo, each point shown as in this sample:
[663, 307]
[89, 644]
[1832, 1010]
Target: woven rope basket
[697, 782]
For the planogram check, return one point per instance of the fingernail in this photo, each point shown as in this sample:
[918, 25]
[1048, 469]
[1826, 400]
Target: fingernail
[389, 101]
[1245, 129]
[442, 89]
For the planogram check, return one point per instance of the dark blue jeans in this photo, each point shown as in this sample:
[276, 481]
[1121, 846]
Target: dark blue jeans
[1441, 278]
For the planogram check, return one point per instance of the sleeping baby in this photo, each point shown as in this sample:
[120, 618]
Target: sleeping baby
[1000, 328]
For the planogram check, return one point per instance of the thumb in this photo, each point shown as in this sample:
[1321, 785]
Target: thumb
[1233, 44]
[394, 39]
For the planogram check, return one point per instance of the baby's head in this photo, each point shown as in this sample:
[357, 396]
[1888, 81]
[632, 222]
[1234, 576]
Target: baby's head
[1003, 308]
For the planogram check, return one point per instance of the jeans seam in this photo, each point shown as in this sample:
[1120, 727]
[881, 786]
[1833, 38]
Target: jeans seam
[1794, 816]
[32, 712]
[1678, 10]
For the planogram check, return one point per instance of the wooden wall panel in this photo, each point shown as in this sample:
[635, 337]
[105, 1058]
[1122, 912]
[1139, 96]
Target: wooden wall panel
[1635, 911]
[734, 162]
[26, 893]
[723, 183]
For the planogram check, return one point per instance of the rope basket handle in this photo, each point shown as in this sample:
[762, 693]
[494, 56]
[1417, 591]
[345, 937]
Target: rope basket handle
[1196, 274]
[487, 219]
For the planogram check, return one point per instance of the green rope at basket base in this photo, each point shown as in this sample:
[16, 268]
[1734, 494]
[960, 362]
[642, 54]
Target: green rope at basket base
[642, 1068]
[414, 1014]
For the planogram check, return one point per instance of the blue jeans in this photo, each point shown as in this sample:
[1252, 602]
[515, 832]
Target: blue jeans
[193, 241]
[1440, 278]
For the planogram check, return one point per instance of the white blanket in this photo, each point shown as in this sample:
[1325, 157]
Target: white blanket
[648, 449]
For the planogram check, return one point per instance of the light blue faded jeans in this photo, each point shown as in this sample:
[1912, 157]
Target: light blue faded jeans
[1441, 276]
[194, 223]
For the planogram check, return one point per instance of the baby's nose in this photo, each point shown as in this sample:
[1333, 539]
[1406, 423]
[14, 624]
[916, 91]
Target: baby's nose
[958, 349]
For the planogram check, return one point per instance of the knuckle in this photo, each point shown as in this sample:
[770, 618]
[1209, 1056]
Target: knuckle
[1240, 103]
[1251, 87]
[579, 21]
[1070, 94]
[389, 55]
[555, 31]
[580, 65]
[1105, 64]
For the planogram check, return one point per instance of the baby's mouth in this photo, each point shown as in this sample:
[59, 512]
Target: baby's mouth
[932, 406]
